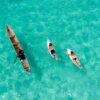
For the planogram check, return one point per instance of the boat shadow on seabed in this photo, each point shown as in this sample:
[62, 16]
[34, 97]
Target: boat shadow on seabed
[34, 68]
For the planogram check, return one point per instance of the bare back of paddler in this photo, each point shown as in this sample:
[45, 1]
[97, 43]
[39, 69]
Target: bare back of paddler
[74, 57]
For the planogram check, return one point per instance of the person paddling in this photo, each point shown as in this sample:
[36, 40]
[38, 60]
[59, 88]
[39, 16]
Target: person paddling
[52, 50]
[73, 57]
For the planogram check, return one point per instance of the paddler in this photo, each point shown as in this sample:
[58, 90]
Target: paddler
[52, 50]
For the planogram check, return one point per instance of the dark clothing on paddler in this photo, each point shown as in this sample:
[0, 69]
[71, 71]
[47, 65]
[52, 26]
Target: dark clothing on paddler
[21, 55]
[53, 51]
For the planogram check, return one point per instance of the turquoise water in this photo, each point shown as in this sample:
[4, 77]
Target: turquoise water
[71, 24]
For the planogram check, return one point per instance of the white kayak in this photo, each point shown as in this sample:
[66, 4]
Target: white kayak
[76, 62]
[54, 55]
[18, 49]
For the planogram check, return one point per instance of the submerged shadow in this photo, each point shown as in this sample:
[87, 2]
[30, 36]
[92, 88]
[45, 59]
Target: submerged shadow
[33, 66]
[62, 61]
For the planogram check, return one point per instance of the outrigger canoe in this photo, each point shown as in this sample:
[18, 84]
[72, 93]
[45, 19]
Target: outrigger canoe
[52, 52]
[74, 59]
[18, 48]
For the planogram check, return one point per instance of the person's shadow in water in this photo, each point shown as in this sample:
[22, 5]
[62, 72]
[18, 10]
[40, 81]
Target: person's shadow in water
[34, 68]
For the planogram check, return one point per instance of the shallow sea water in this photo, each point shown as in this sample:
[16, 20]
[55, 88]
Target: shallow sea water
[71, 24]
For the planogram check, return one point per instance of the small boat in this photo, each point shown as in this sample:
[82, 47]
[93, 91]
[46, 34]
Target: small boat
[18, 49]
[51, 50]
[74, 58]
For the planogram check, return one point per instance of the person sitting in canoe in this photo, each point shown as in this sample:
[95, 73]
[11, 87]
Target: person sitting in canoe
[51, 49]
[21, 55]
[23, 60]
[73, 55]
